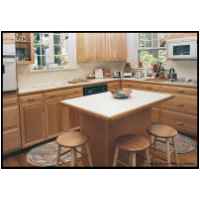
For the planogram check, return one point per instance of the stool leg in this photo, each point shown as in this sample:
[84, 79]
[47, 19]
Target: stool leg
[115, 156]
[148, 157]
[168, 152]
[132, 159]
[89, 155]
[58, 155]
[175, 154]
[152, 140]
[73, 154]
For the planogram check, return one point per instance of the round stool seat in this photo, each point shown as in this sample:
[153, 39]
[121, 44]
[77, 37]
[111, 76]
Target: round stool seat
[133, 143]
[163, 131]
[72, 139]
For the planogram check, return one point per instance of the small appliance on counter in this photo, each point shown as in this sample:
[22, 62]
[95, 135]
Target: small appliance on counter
[128, 72]
[139, 73]
[172, 76]
[116, 75]
[98, 73]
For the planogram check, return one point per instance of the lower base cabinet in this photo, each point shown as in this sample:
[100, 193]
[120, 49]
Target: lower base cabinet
[11, 131]
[33, 125]
[179, 112]
[182, 122]
[44, 117]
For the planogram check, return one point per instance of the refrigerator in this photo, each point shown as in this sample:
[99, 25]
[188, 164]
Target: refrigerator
[9, 68]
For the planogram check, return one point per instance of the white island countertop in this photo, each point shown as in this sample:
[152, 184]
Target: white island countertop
[104, 105]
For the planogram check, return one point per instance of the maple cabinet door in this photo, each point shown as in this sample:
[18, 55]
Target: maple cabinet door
[33, 123]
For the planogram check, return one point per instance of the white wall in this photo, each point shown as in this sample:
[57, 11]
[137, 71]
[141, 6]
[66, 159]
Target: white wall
[132, 45]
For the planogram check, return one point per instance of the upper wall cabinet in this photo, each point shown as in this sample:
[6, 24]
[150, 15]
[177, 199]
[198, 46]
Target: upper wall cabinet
[181, 35]
[24, 48]
[101, 47]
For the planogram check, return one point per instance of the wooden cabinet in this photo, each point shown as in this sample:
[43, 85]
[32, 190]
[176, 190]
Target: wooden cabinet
[155, 115]
[33, 119]
[113, 86]
[101, 47]
[44, 117]
[70, 115]
[181, 35]
[182, 103]
[182, 122]
[24, 48]
[11, 130]
[8, 38]
[180, 111]
[54, 116]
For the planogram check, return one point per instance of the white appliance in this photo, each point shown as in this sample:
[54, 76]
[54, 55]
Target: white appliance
[9, 68]
[9, 74]
[99, 73]
[182, 50]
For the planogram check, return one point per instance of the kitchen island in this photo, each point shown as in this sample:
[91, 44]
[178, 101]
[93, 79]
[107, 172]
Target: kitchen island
[104, 118]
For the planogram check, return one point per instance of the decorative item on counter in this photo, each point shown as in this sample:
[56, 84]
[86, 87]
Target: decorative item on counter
[127, 71]
[107, 73]
[139, 73]
[91, 75]
[172, 76]
[116, 74]
[99, 73]
[122, 94]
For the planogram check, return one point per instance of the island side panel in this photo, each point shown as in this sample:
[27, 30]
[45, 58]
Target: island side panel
[103, 133]
[96, 129]
[135, 123]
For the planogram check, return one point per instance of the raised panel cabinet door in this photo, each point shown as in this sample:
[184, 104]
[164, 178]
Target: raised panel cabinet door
[10, 117]
[54, 117]
[33, 123]
[8, 38]
[116, 47]
[86, 47]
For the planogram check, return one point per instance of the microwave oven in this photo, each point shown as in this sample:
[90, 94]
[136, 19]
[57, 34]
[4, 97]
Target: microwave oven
[182, 50]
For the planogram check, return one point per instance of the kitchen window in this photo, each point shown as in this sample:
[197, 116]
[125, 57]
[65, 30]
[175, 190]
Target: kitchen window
[152, 48]
[51, 51]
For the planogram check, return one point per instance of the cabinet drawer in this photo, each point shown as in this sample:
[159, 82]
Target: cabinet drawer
[182, 122]
[54, 94]
[73, 92]
[113, 86]
[31, 98]
[182, 103]
[10, 117]
[127, 85]
[9, 99]
[11, 140]
[179, 90]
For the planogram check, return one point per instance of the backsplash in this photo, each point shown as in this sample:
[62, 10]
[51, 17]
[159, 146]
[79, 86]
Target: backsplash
[184, 68]
[25, 76]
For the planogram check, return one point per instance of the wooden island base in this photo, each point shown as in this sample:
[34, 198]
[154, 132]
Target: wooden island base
[103, 132]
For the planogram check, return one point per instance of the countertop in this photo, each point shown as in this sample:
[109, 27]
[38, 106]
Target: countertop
[111, 108]
[64, 84]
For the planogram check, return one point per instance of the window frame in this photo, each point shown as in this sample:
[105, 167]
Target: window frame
[52, 66]
[155, 48]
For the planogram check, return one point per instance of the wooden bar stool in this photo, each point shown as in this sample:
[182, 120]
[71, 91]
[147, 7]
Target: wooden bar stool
[132, 144]
[167, 134]
[72, 141]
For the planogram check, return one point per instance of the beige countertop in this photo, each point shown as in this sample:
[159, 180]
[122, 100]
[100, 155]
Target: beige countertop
[112, 108]
[58, 85]
[64, 84]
